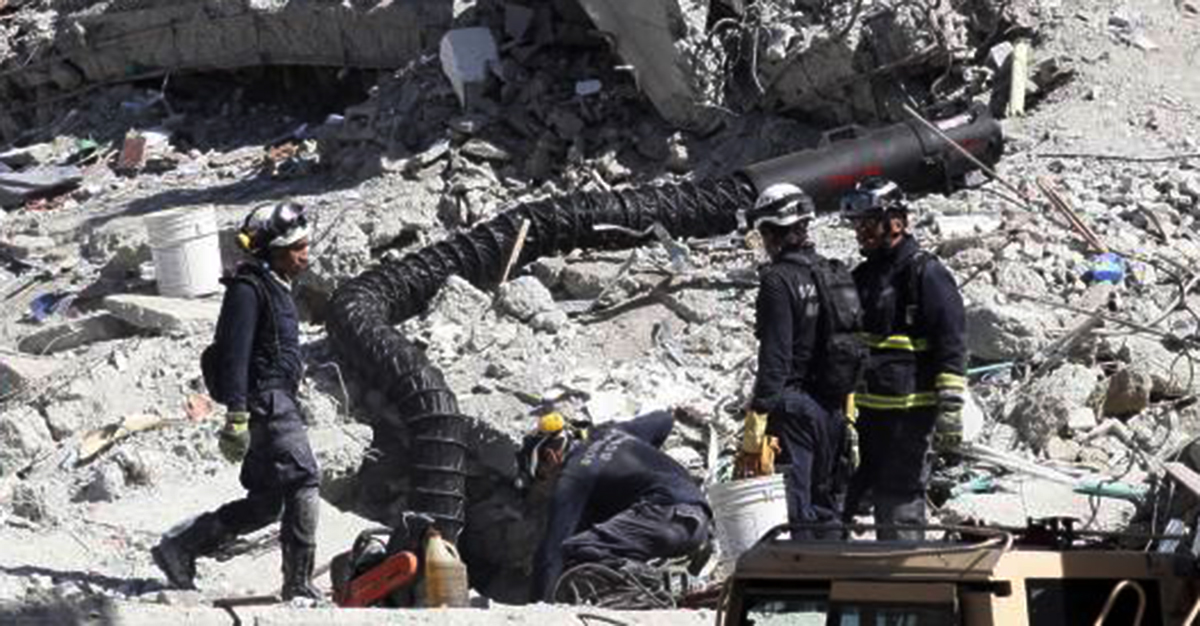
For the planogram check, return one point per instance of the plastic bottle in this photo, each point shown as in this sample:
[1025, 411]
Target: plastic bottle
[445, 574]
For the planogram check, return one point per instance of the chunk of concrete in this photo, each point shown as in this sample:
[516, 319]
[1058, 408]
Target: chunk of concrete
[459, 302]
[1128, 392]
[517, 19]
[165, 315]
[23, 434]
[17, 187]
[19, 372]
[26, 246]
[1170, 374]
[465, 55]
[651, 35]
[524, 297]
[1054, 403]
[1000, 331]
[76, 333]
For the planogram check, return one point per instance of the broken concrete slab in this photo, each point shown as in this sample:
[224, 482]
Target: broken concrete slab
[20, 158]
[173, 36]
[651, 37]
[23, 434]
[466, 54]
[22, 247]
[76, 333]
[18, 372]
[165, 315]
[1001, 331]
[1055, 402]
[17, 187]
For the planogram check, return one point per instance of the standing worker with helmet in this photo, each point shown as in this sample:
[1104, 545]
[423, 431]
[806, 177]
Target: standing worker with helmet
[254, 368]
[915, 384]
[809, 360]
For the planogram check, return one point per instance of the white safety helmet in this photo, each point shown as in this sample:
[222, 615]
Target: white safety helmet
[273, 226]
[781, 204]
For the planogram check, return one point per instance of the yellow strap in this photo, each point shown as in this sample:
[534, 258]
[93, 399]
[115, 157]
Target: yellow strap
[948, 380]
[896, 403]
[894, 342]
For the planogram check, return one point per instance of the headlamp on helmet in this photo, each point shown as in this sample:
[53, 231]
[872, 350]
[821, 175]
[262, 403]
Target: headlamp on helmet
[552, 432]
[273, 226]
[873, 197]
[780, 204]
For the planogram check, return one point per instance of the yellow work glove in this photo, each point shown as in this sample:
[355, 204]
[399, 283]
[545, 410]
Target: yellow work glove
[234, 439]
[757, 455]
[755, 432]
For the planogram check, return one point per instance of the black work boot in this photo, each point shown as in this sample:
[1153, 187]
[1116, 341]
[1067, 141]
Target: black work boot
[176, 552]
[297, 572]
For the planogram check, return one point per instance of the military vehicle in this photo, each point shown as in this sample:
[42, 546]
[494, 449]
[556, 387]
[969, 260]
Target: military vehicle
[1046, 574]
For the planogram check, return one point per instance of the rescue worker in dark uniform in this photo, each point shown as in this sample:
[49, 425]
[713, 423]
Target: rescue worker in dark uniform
[615, 496]
[809, 422]
[914, 389]
[255, 366]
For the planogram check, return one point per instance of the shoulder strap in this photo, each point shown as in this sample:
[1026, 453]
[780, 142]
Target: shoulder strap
[916, 277]
[264, 298]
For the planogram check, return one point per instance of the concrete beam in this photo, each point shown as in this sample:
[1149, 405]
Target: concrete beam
[647, 34]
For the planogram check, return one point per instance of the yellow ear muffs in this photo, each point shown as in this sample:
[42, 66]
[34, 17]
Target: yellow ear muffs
[243, 240]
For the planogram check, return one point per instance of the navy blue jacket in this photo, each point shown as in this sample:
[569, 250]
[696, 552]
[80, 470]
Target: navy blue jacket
[785, 322]
[258, 337]
[915, 325]
[618, 467]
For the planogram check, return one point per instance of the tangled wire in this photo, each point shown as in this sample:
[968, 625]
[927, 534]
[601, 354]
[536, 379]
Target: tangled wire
[626, 585]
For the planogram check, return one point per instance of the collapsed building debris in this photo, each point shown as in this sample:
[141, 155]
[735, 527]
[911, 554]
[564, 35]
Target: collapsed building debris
[408, 166]
[66, 55]
[364, 310]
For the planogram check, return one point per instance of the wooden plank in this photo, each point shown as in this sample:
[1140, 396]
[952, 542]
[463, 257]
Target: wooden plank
[1018, 79]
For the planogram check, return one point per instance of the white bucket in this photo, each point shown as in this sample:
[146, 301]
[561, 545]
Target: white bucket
[745, 510]
[187, 254]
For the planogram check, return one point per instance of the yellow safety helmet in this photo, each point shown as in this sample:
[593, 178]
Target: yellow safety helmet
[551, 423]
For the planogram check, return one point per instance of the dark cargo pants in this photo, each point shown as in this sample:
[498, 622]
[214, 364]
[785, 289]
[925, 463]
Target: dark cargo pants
[812, 438]
[897, 459]
[641, 533]
[279, 473]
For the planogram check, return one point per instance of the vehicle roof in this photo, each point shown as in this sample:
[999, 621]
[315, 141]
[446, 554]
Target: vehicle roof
[989, 559]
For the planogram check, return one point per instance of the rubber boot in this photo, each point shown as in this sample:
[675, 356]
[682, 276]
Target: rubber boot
[176, 552]
[898, 512]
[297, 572]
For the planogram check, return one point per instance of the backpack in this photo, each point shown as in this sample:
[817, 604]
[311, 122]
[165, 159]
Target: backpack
[210, 362]
[841, 357]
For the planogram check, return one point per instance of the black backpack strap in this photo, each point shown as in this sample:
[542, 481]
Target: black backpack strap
[916, 277]
[255, 280]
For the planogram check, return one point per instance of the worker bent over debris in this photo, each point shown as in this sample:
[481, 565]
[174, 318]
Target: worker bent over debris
[616, 497]
[809, 359]
[914, 386]
[254, 368]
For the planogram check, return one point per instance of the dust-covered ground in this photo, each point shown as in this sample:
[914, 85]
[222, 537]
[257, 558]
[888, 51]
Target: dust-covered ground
[1079, 375]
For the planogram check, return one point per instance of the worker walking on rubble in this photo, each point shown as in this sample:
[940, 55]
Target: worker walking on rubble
[806, 317]
[914, 387]
[254, 368]
[615, 496]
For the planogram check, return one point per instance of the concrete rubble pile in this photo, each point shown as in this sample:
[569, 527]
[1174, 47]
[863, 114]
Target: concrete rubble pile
[1081, 363]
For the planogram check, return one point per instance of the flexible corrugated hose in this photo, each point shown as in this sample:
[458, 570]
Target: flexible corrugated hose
[364, 311]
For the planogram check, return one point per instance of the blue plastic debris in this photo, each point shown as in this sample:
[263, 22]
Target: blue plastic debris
[50, 304]
[1106, 268]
